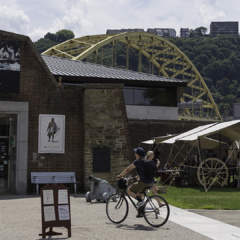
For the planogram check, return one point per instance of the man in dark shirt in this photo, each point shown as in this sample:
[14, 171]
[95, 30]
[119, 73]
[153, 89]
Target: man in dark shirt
[146, 171]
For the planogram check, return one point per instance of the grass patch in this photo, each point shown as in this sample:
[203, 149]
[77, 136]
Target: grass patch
[196, 198]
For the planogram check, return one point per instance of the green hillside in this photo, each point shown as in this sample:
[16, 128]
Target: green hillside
[218, 60]
[52, 39]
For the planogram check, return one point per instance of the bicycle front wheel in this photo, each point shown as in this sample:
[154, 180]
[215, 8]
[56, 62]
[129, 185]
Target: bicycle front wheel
[156, 211]
[117, 208]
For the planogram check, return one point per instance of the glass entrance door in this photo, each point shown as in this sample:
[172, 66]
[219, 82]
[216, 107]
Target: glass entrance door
[8, 130]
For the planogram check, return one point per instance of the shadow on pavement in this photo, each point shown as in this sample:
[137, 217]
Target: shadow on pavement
[51, 238]
[12, 197]
[78, 195]
[136, 227]
[5, 196]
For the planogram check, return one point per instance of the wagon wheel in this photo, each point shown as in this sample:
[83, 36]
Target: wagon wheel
[212, 171]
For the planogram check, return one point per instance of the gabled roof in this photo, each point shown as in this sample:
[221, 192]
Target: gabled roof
[70, 68]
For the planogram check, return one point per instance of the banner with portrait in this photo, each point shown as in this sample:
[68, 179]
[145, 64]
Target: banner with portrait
[9, 66]
[51, 137]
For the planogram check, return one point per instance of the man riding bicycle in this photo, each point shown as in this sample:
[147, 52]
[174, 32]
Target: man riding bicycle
[146, 171]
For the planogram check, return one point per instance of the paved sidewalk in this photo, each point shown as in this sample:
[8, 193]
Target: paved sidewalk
[227, 216]
[209, 227]
[20, 219]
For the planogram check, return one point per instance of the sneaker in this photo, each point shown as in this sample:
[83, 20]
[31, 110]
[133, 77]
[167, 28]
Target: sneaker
[140, 204]
[140, 214]
[140, 208]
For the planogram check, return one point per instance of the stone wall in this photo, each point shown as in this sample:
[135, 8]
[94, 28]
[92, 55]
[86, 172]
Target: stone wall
[105, 124]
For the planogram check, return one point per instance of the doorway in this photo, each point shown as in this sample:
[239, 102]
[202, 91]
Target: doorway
[8, 148]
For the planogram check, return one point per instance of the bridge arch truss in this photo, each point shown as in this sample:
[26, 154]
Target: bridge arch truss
[145, 52]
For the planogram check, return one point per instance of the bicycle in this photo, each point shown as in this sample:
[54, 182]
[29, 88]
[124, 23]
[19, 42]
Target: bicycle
[155, 210]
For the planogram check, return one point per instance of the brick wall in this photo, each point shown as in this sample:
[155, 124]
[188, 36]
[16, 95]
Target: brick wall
[39, 88]
[144, 130]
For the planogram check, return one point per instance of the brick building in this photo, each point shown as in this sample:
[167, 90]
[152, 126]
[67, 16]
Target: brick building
[224, 28]
[163, 32]
[107, 112]
[184, 32]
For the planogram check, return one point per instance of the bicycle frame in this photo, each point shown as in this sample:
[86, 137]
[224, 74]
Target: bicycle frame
[133, 203]
[145, 196]
[125, 193]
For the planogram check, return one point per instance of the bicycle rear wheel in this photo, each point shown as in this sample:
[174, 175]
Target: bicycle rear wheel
[117, 208]
[156, 211]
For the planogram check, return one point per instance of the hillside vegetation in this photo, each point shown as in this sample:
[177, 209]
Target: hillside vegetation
[218, 61]
[52, 39]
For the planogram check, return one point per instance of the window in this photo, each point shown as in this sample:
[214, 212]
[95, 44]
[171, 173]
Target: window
[129, 95]
[150, 96]
[101, 159]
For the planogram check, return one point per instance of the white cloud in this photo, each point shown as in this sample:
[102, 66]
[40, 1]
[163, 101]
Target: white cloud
[14, 19]
[209, 12]
[36, 18]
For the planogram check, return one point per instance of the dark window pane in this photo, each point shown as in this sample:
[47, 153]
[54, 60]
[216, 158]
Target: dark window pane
[138, 96]
[161, 96]
[101, 159]
[151, 96]
[128, 95]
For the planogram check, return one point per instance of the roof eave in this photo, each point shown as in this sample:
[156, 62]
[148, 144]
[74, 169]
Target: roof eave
[127, 82]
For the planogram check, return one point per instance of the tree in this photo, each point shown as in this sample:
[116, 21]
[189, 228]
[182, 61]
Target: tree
[198, 32]
[218, 61]
[51, 39]
[64, 35]
[43, 44]
[201, 31]
[51, 36]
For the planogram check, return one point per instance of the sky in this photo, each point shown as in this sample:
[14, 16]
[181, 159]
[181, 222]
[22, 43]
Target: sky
[35, 18]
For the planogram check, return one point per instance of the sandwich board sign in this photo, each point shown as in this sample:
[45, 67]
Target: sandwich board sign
[55, 208]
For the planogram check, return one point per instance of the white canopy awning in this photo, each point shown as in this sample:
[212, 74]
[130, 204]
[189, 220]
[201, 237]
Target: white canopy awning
[150, 142]
[230, 129]
[158, 139]
[188, 133]
[209, 143]
[224, 127]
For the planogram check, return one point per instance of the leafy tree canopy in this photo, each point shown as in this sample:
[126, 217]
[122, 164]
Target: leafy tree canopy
[218, 61]
[51, 39]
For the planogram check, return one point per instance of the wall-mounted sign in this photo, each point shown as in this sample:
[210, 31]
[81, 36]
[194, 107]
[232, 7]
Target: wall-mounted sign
[51, 136]
[9, 66]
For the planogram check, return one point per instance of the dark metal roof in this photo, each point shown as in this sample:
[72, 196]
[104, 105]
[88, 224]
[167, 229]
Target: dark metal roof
[72, 68]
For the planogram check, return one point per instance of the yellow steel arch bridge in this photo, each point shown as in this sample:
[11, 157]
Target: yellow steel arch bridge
[145, 52]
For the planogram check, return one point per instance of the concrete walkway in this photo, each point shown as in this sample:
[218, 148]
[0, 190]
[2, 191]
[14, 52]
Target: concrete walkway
[20, 219]
[208, 227]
